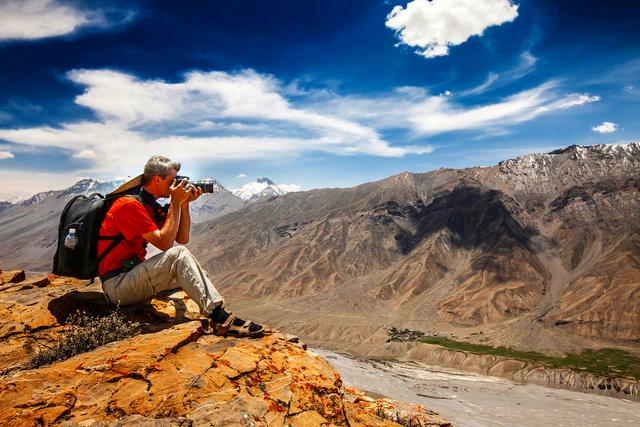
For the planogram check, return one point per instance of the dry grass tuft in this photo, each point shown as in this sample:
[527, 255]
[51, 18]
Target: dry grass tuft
[85, 332]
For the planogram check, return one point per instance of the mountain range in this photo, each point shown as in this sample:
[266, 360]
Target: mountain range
[28, 228]
[540, 252]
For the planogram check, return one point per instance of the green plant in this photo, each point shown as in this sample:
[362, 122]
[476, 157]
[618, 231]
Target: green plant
[604, 361]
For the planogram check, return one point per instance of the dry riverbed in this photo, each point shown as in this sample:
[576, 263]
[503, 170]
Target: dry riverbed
[471, 400]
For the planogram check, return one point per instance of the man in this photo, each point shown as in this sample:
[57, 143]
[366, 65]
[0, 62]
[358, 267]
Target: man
[128, 278]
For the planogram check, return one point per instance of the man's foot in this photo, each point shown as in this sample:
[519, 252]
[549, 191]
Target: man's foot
[225, 323]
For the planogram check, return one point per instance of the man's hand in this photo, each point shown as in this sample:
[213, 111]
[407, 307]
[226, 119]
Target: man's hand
[194, 192]
[179, 192]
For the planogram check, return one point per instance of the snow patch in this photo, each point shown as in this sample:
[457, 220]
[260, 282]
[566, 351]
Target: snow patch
[263, 187]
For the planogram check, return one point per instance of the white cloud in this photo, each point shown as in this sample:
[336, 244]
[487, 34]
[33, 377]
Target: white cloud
[217, 116]
[526, 64]
[241, 175]
[433, 26]
[34, 19]
[6, 155]
[575, 99]
[289, 188]
[605, 127]
[424, 114]
[123, 99]
[629, 88]
[85, 154]
[483, 87]
[214, 116]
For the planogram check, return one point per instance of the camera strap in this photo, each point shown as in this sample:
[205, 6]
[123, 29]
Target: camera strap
[159, 211]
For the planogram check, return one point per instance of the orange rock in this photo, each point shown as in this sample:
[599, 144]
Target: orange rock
[308, 419]
[173, 372]
[12, 276]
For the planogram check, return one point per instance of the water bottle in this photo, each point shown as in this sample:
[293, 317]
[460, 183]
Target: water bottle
[71, 241]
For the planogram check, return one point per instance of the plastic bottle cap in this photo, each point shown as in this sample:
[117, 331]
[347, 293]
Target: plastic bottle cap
[72, 230]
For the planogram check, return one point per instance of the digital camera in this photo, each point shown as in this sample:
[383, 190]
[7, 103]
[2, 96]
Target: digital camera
[206, 186]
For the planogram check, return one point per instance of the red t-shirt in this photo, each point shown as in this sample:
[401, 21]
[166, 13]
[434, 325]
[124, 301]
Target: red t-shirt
[126, 216]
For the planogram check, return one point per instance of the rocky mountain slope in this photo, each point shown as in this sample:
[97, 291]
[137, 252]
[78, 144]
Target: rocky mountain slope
[212, 205]
[540, 252]
[174, 373]
[28, 229]
[223, 201]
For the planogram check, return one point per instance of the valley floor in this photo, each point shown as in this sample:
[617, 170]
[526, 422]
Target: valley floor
[471, 400]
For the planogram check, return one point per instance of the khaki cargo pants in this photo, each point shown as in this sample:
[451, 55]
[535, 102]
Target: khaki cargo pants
[174, 268]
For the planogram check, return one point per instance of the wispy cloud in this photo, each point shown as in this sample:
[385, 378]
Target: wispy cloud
[216, 116]
[626, 73]
[85, 154]
[289, 188]
[605, 127]
[526, 64]
[209, 115]
[241, 175]
[36, 19]
[436, 115]
[434, 25]
[423, 114]
[6, 155]
[5, 116]
[574, 100]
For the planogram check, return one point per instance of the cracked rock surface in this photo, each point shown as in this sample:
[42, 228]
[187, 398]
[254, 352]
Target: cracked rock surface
[172, 374]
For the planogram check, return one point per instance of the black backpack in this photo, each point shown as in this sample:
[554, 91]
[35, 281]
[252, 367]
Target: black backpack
[85, 214]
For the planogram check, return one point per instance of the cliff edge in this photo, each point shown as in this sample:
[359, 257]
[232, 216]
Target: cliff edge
[170, 373]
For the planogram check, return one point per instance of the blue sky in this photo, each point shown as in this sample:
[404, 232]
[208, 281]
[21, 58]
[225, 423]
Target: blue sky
[312, 94]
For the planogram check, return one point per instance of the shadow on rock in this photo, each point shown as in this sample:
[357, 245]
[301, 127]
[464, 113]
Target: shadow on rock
[150, 314]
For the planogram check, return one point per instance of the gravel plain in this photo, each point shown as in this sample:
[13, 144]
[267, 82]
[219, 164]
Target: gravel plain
[472, 400]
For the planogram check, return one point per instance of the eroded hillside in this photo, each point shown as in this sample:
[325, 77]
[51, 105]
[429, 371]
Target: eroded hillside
[538, 252]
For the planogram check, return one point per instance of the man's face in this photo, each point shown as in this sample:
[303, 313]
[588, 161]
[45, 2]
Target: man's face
[165, 183]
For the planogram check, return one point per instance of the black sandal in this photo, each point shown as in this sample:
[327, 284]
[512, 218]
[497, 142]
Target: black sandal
[228, 327]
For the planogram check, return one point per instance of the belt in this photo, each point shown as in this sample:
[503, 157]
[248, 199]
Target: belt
[111, 274]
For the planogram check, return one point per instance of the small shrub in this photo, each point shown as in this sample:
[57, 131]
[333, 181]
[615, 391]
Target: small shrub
[84, 333]
[401, 335]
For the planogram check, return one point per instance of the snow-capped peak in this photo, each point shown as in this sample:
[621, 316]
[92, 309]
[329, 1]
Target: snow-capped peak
[261, 187]
[84, 186]
[88, 186]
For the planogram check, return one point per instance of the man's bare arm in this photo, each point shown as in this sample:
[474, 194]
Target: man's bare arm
[185, 219]
[163, 239]
[182, 236]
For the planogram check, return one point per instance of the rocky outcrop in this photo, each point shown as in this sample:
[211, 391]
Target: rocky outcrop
[173, 373]
[520, 371]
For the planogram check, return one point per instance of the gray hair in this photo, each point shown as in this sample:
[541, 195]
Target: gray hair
[158, 165]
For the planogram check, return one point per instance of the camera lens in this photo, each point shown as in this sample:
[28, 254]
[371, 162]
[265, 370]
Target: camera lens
[207, 187]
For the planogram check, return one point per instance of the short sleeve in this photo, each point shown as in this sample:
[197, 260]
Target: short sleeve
[133, 220]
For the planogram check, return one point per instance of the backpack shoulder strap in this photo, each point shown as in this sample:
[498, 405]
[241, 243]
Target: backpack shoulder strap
[116, 239]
